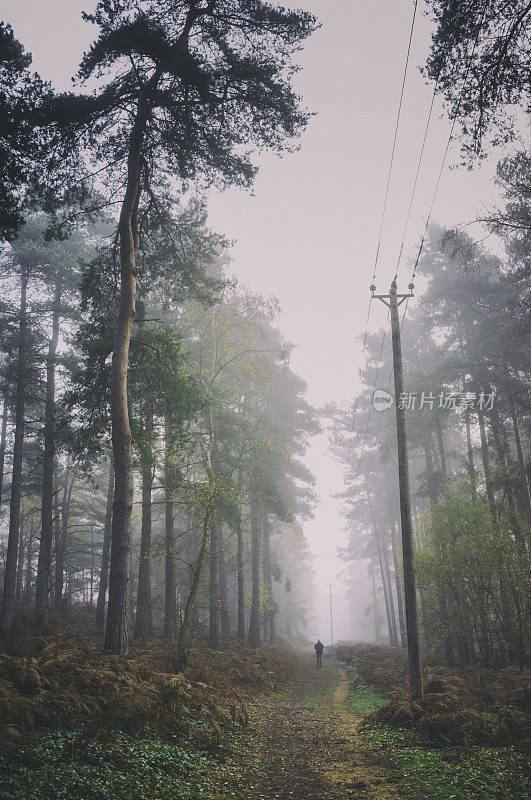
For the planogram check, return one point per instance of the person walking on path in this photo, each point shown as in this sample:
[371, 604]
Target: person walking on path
[319, 647]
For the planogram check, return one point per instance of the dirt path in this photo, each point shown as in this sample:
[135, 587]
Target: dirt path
[303, 743]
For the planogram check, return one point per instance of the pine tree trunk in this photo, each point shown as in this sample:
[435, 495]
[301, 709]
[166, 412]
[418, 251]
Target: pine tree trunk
[56, 533]
[20, 561]
[29, 571]
[399, 588]
[524, 481]
[45, 547]
[441, 599]
[104, 572]
[486, 469]
[389, 606]
[3, 439]
[222, 576]
[254, 620]
[143, 621]
[92, 565]
[470, 453]
[270, 612]
[59, 598]
[66, 602]
[265, 570]
[169, 539]
[496, 428]
[471, 469]
[240, 576]
[195, 551]
[430, 471]
[116, 632]
[213, 634]
[10, 574]
[434, 451]
[130, 599]
[442, 453]
[385, 559]
[375, 607]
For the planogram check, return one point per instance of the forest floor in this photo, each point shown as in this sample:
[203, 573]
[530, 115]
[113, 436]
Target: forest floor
[244, 724]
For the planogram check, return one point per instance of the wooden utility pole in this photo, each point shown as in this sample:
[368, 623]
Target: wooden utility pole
[392, 301]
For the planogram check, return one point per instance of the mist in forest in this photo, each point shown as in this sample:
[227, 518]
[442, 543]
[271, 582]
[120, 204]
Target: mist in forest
[265, 507]
[301, 247]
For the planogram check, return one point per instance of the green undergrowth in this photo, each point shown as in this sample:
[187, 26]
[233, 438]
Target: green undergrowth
[458, 773]
[144, 766]
[363, 698]
[431, 771]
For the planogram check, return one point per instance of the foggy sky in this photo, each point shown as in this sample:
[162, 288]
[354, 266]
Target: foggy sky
[308, 235]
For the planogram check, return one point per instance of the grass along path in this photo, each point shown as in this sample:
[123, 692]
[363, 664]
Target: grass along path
[303, 743]
[434, 770]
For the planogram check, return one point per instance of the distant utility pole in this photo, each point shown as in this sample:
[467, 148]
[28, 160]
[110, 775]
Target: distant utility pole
[412, 625]
[331, 617]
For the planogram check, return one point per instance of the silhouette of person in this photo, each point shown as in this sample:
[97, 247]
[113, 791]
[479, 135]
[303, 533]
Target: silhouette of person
[319, 647]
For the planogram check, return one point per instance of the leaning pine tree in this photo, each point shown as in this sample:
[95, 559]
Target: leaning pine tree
[188, 89]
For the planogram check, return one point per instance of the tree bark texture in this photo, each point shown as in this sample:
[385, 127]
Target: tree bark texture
[45, 547]
[213, 618]
[254, 620]
[388, 597]
[442, 452]
[104, 571]
[169, 538]
[399, 588]
[143, 621]
[486, 469]
[116, 633]
[524, 481]
[10, 574]
[60, 600]
[3, 439]
[29, 570]
[222, 578]
[470, 455]
[20, 562]
[270, 610]
[430, 470]
[144, 612]
[240, 576]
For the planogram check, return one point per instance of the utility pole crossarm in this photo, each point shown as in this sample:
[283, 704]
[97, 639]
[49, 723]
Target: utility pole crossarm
[385, 297]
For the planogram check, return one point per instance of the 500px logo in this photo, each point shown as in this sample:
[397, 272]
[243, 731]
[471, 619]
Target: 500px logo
[382, 400]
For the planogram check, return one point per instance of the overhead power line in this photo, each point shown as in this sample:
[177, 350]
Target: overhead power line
[446, 149]
[430, 211]
[397, 125]
[386, 197]
[419, 163]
